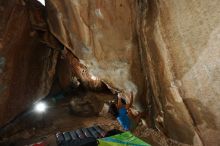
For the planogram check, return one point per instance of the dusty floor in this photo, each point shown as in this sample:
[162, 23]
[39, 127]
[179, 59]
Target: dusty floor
[61, 120]
[155, 138]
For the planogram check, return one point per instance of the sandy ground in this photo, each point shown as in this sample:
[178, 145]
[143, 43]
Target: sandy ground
[62, 120]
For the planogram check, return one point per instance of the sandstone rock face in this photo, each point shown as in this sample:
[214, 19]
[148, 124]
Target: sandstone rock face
[174, 46]
[181, 45]
[102, 35]
[27, 65]
[165, 51]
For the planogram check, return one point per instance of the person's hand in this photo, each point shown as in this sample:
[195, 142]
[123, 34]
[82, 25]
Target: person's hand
[119, 95]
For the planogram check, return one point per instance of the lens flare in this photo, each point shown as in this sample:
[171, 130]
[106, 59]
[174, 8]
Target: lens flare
[40, 107]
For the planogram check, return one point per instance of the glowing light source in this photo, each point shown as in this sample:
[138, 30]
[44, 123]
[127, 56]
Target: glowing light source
[93, 77]
[40, 107]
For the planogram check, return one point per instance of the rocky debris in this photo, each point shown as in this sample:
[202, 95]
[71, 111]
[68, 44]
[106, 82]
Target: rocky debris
[155, 138]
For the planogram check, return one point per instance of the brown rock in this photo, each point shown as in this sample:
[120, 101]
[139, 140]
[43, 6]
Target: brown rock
[166, 52]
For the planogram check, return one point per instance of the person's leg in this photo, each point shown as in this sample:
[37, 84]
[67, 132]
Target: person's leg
[136, 117]
[131, 114]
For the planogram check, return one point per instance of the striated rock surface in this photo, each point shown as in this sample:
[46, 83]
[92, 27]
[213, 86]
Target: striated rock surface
[165, 51]
[174, 46]
[27, 65]
[102, 35]
[180, 43]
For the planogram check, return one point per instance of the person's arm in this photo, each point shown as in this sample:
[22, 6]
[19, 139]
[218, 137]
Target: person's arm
[131, 101]
[119, 104]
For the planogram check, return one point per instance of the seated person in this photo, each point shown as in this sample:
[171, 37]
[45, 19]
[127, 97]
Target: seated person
[122, 112]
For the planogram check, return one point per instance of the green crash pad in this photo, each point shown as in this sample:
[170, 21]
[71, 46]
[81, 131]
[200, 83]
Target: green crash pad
[123, 139]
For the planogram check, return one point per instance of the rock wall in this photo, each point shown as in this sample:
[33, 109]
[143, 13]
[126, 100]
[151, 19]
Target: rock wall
[27, 65]
[102, 35]
[180, 50]
[165, 51]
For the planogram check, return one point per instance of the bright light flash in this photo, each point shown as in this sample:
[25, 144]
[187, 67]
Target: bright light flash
[40, 107]
[93, 77]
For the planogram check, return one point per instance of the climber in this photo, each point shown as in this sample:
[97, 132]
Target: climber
[122, 112]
